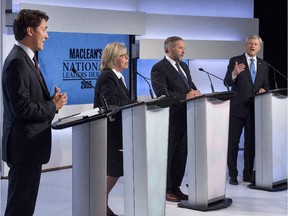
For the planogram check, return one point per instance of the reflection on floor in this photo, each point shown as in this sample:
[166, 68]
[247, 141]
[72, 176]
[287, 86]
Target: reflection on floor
[55, 199]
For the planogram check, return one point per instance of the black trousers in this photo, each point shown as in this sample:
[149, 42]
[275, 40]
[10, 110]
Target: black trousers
[236, 126]
[177, 157]
[23, 185]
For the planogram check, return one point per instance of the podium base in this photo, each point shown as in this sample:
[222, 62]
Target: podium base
[275, 188]
[224, 203]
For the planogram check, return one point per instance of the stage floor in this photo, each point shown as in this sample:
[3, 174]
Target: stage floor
[55, 199]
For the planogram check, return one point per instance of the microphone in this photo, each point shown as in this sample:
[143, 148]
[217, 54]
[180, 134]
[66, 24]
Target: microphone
[225, 83]
[110, 110]
[146, 78]
[212, 87]
[274, 75]
[75, 71]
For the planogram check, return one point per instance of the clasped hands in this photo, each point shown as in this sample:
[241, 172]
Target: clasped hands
[192, 94]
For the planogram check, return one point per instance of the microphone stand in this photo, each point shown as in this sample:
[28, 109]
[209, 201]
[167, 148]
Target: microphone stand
[274, 75]
[201, 69]
[275, 81]
[108, 109]
[75, 71]
[212, 87]
[277, 71]
[146, 78]
[150, 89]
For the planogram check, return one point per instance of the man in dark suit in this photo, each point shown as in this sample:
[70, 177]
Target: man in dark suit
[28, 112]
[248, 75]
[173, 76]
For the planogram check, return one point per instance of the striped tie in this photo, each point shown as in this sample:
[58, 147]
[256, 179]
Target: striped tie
[182, 75]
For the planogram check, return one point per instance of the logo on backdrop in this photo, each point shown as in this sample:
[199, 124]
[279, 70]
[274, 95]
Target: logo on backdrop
[86, 62]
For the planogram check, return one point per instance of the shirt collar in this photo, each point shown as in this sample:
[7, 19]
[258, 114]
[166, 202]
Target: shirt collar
[248, 57]
[29, 52]
[118, 74]
[170, 60]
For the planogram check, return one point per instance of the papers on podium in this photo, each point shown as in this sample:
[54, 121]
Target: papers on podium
[79, 116]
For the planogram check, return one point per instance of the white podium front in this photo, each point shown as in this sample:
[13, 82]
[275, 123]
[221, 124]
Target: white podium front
[271, 141]
[207, 131]
[89, 159]
[145, 146]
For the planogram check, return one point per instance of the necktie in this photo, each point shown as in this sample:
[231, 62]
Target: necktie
[182, 75]
[252, 70]
[37, 67]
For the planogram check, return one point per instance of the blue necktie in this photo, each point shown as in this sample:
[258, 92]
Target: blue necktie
[252, 70]
[182, 75]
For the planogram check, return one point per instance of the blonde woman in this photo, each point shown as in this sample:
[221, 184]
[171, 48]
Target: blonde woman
[111, 85]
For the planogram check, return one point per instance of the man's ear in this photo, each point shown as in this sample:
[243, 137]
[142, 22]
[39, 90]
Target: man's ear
[29, 30]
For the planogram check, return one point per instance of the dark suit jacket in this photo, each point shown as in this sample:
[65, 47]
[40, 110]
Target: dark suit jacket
[242, 103]
[115, 93]
[28, 111]
[112, 89]
[163, 72]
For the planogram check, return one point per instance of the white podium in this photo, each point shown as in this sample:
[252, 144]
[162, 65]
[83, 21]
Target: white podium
[271, 141]
[145, 146]
[89, 162]
[207, 131]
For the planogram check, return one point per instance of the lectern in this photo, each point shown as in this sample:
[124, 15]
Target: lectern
[207, 130]
[271, 141]
[145, 146]
[89, 141]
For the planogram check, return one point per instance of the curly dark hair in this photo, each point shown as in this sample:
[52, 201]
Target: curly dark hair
[26, 18]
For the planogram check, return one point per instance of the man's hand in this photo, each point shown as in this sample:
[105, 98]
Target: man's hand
[192, 94]
[261, 91]
[238, 68]
[59, 99]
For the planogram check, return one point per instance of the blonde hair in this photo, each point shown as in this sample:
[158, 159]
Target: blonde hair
[110, 54]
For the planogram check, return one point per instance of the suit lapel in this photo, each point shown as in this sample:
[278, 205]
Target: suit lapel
[259, 70]
[247, 68]
[123, 87]
[31, 64]
[41, 80]
[186, 70]
[176, 73]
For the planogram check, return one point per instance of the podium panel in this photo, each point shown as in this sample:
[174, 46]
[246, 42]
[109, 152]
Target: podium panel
[89, 161]
[207, 131]
[270, 141]
[145, 145]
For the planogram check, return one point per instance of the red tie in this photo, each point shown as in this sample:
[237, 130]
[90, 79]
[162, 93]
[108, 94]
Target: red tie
[37, 67]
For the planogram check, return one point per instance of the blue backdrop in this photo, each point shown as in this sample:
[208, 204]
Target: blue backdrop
[83, 51]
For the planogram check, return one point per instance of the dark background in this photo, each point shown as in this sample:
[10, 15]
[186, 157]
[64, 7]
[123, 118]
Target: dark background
[272, 17]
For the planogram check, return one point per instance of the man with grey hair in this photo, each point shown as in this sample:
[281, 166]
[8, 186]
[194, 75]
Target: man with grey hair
[248, 75]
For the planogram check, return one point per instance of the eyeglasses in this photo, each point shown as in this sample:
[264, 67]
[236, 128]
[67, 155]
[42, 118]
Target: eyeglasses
[124, 56]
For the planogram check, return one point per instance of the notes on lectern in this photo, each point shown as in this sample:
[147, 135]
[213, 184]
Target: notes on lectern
[79, 116]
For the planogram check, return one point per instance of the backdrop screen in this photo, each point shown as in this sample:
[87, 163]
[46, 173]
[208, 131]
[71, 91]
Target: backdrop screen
[83, 51]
